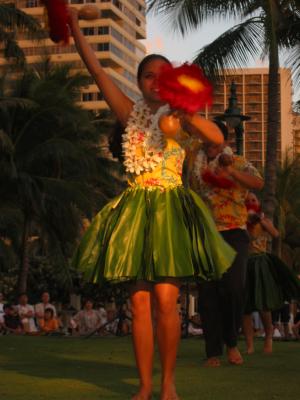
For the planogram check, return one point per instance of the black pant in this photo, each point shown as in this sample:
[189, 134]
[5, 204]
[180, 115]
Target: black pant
[222, 302]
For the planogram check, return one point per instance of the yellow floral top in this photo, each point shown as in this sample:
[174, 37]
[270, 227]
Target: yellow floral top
[150, 158]
[258, 239]
[168, 173]
[227, 204]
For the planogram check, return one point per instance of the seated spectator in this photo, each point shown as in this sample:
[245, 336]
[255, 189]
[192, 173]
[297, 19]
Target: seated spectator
[280, 321]
[1, 312]
[12, 321]
[48, 324]
[87, 320]
[41, 307]
[112, 321]
[26, 314]
[103, 314]
[194, 326]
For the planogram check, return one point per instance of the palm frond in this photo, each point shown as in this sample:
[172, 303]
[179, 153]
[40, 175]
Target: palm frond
[233, 49]
[8, 168]
[67, 192]
[11, 220]
[15, 102]
[293, 61]
[11, 17]
[185, 15]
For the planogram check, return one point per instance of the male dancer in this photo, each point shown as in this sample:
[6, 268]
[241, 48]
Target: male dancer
[223, 180]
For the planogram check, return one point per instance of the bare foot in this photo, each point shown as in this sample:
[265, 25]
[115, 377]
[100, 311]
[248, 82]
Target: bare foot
[212, 362]
[268, 346]
[250, 350]
[234, 356]
[143, 394]
[168, 392]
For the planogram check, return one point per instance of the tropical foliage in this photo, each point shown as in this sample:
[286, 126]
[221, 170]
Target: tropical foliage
[52, 171]
[288, 211]
[13, 20]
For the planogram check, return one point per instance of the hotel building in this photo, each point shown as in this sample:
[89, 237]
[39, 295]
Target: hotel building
[296, 134]
[114, 36]
[252, 92]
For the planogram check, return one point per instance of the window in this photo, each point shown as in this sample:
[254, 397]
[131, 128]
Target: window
[103, 30]
[90, 31]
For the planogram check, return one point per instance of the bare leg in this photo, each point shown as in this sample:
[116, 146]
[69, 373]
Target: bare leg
[248, 332]
[142, 334]
[168, 335]
[266, 318]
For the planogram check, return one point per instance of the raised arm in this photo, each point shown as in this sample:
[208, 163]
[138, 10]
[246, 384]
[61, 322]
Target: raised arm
[118, 102]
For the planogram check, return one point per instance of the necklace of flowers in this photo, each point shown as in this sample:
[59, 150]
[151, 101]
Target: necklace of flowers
[202, 164]
[142, 133]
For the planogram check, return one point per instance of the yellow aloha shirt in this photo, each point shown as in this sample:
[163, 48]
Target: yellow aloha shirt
[227, 205]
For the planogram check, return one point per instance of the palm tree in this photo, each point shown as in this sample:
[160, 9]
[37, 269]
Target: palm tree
[266, 27]
[288, 206]
[12, 20]
[50, 162]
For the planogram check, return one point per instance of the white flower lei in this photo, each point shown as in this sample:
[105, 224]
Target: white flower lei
[202, 163]
[142, 131]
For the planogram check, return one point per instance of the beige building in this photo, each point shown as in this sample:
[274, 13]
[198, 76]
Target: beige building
[296, 134]
[114, 36]
[252, 91]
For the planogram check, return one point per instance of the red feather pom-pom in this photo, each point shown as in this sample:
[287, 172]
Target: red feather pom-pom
[185, 87]
[57, 20]
[218, 181]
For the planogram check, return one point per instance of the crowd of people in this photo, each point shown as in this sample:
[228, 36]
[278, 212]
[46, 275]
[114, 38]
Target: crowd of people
[102, 319]
[45, 318]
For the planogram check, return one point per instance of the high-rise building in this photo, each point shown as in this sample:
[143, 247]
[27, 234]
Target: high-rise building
[252, 92]
[296, 134]
[114, 36]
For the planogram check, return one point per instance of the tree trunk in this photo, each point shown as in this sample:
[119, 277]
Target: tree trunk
[24, 260]
[273, 122]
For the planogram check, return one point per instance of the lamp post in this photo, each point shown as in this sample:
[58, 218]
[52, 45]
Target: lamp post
[234, 119]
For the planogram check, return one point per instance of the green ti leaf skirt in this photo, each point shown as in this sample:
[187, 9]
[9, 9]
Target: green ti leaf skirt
[151, 235]
[269, 283]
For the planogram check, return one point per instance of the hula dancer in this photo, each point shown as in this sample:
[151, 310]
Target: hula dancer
[156, 233]
[269, 281]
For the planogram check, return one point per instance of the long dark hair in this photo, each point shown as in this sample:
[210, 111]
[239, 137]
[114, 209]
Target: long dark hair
[115, 139]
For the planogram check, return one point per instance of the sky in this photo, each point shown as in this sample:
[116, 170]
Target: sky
[161, 39]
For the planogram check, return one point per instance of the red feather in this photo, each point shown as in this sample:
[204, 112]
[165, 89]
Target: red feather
[218, 181]
[180, 96]
[58, 20]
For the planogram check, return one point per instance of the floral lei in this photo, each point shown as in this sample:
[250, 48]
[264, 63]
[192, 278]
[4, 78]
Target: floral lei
[202, 164]
[142, 133]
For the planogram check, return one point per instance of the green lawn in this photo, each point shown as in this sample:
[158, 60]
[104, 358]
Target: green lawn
[103, 368]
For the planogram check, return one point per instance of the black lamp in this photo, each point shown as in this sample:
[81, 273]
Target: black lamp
[234, 119]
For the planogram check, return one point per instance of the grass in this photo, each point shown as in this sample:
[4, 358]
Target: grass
[48, 368]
